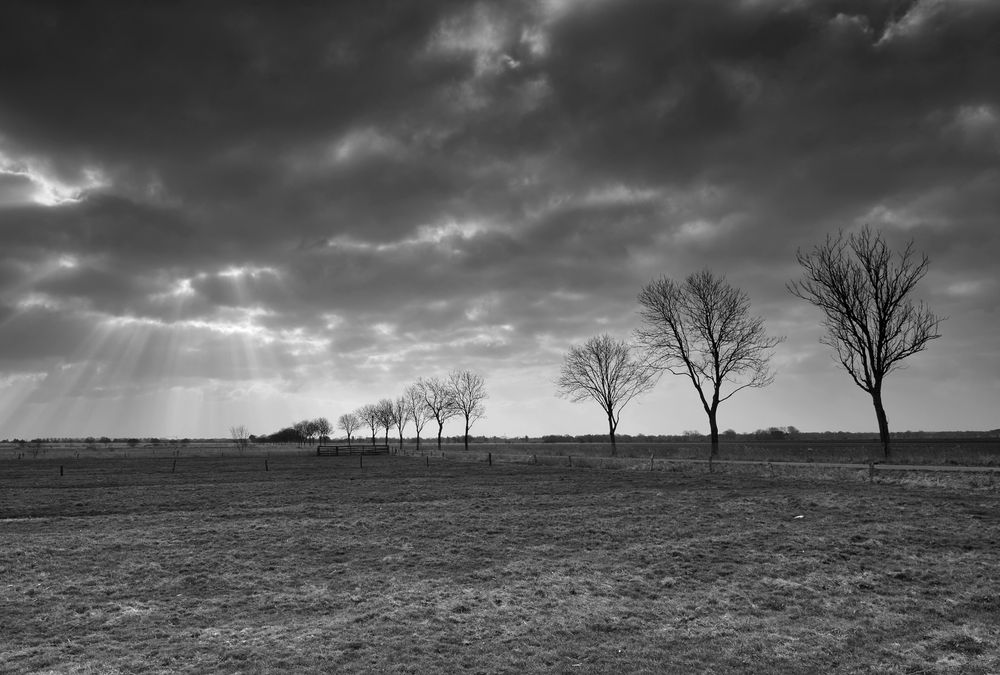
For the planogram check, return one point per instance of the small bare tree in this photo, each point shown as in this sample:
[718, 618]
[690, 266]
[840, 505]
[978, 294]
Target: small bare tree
[871, 322]
[240, 436]
[606, 370]
[302, 430]
[439, 400]
[469, 392]
[417, 409]
[703, 329]
[311, 429]
[385, 416]
[322, 427]
[400, 412]
[349, 423]
[369, 415]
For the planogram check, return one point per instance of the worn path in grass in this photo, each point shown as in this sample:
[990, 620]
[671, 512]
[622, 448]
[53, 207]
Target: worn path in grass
[316, 565]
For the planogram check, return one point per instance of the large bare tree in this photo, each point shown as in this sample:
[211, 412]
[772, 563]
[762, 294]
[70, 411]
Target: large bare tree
[703, 329]
[871, 321]
[439, 400]
[608, 371]
[469, 392]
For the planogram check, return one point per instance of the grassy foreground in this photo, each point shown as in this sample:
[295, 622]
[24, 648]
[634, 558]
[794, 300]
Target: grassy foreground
[318, 565]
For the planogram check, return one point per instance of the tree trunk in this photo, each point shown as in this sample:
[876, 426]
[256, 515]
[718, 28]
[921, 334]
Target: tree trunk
[401, 440]
[418, 441]
[883, 422]
[713, 426]
[611, 433]
[440, 429]
[466, 434]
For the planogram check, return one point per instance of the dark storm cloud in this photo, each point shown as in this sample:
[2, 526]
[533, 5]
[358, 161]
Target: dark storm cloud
[349, 186]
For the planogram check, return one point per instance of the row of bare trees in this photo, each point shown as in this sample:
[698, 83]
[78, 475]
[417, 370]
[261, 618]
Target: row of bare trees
[703, 329]
[461, 394]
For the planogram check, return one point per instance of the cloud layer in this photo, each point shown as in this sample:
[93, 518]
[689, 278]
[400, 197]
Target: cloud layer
[236, 213]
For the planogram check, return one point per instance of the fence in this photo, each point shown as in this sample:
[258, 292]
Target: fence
[335, 450]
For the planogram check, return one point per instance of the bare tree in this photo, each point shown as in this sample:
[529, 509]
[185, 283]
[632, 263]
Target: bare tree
[417, 409]
[400, 413]
[240, 436]
[469, 392]
[606, 370]
[703, 329]
[439, 400]
[302, 430]
[349, 423]
[369, 414]
[385, 418]
[322, 427]
[871, 322]
[311, 429]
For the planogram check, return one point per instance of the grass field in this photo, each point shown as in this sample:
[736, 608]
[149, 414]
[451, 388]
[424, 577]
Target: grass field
[410, 564]
[967, 451]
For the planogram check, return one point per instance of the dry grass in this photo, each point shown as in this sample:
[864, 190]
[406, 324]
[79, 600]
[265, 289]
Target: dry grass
[319, 566]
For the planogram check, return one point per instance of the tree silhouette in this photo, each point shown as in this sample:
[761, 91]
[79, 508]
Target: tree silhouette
[350, 423]
[871, 322]
[606, 370]
[703, 329]
[468, 393]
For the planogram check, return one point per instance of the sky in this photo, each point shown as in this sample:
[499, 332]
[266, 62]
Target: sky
[215, 214]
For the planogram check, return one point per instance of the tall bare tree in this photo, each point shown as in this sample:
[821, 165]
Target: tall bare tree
[703, 329]
[369, 414]
[439, 399]
[469, 391]
[871, 322]
[606, 370]
[349, 423]
[417, 409]
[400, 413]
[385, 417]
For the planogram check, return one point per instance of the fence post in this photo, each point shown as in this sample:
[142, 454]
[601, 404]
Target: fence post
[489, 458]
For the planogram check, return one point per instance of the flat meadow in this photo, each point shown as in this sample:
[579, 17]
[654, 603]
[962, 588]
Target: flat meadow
[413, 564]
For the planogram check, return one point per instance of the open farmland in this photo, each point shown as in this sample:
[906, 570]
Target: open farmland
[413, 564]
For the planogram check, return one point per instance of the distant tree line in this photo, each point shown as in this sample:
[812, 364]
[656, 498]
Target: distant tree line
[461, 395]
[305, 431]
